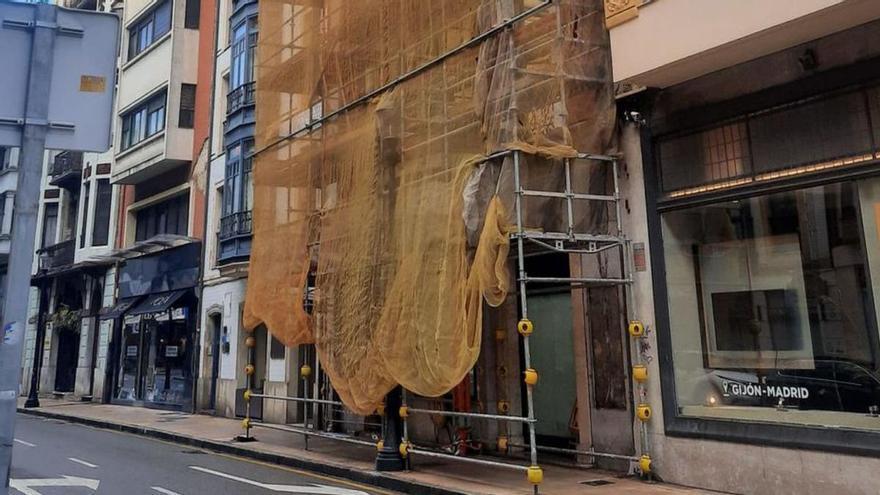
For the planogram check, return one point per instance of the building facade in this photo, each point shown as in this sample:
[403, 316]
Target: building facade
[755, 130]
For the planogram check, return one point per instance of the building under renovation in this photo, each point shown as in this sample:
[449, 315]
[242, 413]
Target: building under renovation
[436, 207]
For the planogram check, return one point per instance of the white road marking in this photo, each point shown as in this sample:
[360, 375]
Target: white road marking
[26, 444]
[84, 463]
[163, 490]
[25, 486]
[306, 489]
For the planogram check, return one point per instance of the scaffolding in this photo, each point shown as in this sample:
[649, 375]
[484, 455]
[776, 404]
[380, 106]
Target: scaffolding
[375, 129]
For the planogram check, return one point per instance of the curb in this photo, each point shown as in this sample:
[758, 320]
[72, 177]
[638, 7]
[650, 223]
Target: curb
[373, 478]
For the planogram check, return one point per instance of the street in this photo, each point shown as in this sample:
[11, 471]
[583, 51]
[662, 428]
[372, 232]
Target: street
[52, 457]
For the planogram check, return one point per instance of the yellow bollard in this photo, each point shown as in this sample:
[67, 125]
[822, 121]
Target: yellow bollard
[535, 475]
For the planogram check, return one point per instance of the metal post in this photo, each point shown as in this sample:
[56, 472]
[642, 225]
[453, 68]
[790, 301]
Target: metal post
[389, 458]
[523, 281]
[24, 225]
[33, 399]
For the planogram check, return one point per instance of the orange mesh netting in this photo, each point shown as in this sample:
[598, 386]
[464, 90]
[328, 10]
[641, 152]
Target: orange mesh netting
[391, 203]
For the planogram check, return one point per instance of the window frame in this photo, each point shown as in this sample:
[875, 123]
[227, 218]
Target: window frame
[815, 438]
[136, 123]
[238, 177]
[143, 33]
[104, 226]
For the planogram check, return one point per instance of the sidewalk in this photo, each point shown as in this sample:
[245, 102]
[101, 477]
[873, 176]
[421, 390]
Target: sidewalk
[429, 476]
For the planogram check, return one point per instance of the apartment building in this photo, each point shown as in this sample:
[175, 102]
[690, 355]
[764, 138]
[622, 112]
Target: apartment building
[8, 183]
[751, 141]
[230, 203]
[75, 235]
[153, 339]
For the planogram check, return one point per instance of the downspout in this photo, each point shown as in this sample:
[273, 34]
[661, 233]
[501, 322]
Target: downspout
[208, 189]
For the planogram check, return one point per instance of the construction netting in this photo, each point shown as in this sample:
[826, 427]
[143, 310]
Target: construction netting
[379, 210]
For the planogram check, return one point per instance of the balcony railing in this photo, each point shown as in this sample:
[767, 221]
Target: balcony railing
[66, 169]
[57, 255]
[236, 224]
[240, 97]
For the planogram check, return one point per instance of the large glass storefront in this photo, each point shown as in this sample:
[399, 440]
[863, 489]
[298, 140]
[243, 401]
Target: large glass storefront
[153, 350]
[773, 293]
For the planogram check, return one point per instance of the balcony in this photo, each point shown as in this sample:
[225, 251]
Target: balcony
[56, 255]
[240, 97]
[66, 170]
[234, 238]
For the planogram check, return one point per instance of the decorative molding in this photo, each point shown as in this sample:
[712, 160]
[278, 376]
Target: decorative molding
[619, 11]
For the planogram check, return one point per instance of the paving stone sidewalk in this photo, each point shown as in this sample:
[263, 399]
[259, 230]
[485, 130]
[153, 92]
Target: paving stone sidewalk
[429, 476]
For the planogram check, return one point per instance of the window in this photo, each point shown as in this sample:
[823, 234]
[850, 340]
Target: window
[103, 201]
[50, 224]
[87, 189]
[773, 306]
[191, 16]
[147, 120]
[168, 217]
[4, 157]
[276, 349]
[244, 49]
[238, 67]
[148, 30]
[187, 106]
[238, 187]
[812, 135]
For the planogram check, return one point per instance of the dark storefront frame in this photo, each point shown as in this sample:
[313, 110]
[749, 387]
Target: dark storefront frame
[853, 77]
[170, 276]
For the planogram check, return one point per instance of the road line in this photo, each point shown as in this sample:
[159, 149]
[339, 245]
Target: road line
[311, 489]
[84, 463]
[163, 490]
[27, 444]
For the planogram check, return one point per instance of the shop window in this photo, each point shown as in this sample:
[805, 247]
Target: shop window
[276, 349]
[808, 136]
[772, 304]
[103, 199]
[149, 29]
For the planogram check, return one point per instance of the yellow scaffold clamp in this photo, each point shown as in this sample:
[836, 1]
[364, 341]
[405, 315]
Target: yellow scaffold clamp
[643, 411]
[380, 445]
[249, 370]
[247, 394]
[403, 411]
[246, 423]
[404, 448]
[250, 342]
[636, 328]
[305, 371]
[645, 464]
[530, 377]
[535, 475]
[503, 406]
[525, 327]
[502, 443]
[640, 373]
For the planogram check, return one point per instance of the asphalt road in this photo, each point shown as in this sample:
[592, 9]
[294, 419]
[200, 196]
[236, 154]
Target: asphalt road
[51, 457]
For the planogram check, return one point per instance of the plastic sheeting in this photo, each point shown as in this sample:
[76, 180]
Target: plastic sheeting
[389, 209]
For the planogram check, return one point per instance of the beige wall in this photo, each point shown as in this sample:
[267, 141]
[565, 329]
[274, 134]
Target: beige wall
[671, 41]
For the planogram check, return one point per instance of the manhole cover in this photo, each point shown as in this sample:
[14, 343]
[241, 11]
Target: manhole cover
[597, 482]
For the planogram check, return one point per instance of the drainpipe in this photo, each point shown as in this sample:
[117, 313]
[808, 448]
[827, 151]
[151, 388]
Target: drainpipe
[208, 188]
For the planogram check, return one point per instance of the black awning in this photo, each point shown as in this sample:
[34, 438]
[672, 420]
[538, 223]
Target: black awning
[157, 303]
[121, 307]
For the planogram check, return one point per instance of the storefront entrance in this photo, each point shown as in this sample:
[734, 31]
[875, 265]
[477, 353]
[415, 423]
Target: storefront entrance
[155, 359]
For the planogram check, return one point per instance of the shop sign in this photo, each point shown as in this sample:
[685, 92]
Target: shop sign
[171, 351]
[738, 389]
[131, 351]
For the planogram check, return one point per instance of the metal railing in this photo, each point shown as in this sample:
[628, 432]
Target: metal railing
[66, 162]
[57, 255]
[236, 224]
[241, 97]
